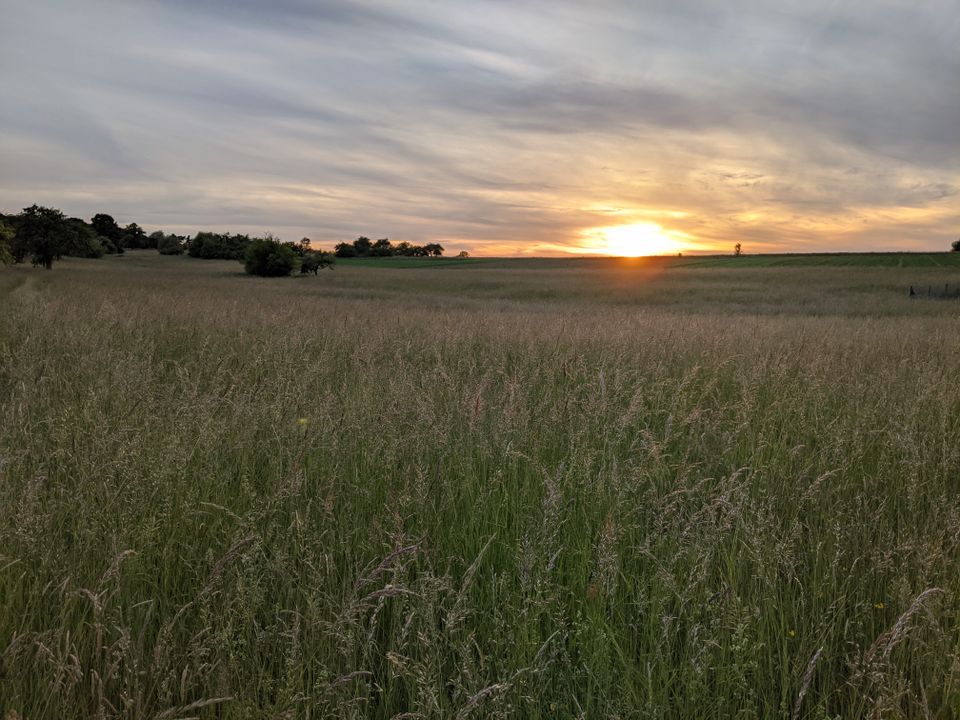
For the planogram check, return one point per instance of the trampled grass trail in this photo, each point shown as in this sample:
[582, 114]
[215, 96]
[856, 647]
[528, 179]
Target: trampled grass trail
[478, 492]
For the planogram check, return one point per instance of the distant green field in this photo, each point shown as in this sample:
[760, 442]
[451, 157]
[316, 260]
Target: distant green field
[891, 260]
[941, 259]
[409, 262]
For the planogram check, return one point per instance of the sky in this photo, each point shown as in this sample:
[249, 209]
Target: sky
[500, 127]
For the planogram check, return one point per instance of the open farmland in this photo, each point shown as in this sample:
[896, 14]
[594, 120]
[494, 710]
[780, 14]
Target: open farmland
[531, 488]
[890, 259]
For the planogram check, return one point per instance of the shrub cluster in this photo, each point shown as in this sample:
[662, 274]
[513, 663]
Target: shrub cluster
[218, 246]
[169, 244]
[45, 234]
[268, 257]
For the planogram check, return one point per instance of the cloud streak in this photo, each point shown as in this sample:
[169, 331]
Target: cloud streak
[498, 127]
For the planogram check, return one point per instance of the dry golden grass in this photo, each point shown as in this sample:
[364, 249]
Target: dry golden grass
[529, 489]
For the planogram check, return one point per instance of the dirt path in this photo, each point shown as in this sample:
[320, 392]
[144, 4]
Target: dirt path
[17, 284]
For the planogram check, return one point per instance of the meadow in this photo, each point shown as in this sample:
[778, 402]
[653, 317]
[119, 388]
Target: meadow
[516, 488]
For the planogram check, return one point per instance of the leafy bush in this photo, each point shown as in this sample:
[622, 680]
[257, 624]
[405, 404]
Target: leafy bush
[218, 246]
[345, 250]
[108, 232]
[81, 240]
[268, 257]
[42, 233]
[169, 244]
[133, 237]
[313, 261]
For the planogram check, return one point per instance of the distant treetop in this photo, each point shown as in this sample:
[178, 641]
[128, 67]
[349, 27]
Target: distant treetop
[365, 247]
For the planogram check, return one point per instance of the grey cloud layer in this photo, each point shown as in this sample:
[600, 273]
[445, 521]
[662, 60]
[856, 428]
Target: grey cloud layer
[490, 123]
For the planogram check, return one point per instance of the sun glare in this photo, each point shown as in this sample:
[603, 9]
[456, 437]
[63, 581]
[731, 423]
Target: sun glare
[634, 240]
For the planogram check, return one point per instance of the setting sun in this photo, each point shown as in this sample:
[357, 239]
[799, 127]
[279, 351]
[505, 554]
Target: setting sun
[634, 240]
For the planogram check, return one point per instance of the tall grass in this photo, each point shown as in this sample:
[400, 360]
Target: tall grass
[400, 493]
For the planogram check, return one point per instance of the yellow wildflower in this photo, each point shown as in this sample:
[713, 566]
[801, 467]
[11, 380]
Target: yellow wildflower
[879, 605]
[303, 421]
[792, 633]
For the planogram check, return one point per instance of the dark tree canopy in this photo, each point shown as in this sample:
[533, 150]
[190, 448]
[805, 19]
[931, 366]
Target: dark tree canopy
[81, 240]
[106, 226]
[108, 231]
[313, 262]
[134, 238]
[345, 250]
[42, 233]
[364, 247]
[268, 257]
[382, 248]
[218, 246]
[955, 246]
[168, 244]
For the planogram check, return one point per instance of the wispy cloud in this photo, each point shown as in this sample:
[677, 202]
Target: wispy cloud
[493, 126]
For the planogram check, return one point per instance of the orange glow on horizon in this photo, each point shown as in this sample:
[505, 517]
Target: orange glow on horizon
[633, 240]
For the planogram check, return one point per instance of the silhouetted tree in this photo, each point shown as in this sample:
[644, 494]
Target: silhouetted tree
[314, 261]
[955, 246]
[108, 231]
[268, 257]
[736, 250]
[362, 245]
[168, 244]
[434, 249]
[41, 233]
[382, 248]
[106, 226]
[218, 246]
[133, 237]
[81, 240]
[345, 250]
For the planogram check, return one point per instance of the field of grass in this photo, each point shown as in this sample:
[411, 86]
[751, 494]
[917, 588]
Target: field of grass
[901, 260]
[537, 489]
[409, 262]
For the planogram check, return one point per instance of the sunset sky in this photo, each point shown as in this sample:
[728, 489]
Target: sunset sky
[494, 126]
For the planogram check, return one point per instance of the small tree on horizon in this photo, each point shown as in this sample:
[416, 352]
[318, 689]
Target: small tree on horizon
[345, 250]
[314, 260]
[362, 245]
[736, 250]
[382, 248]
[955, 246]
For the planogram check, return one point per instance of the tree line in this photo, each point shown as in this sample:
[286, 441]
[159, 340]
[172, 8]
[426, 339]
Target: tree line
[44, 235]
[365, 247]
